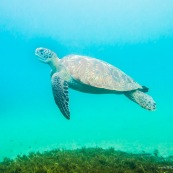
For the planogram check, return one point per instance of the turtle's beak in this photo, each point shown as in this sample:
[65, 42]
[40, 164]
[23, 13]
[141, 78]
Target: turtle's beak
[38, 51]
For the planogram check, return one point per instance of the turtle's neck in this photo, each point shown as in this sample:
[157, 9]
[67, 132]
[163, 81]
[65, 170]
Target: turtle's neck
[54, 63]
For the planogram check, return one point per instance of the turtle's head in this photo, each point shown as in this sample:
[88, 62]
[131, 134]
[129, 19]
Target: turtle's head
[45, 55]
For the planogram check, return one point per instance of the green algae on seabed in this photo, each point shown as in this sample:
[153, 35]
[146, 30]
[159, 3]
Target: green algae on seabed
[87, 160]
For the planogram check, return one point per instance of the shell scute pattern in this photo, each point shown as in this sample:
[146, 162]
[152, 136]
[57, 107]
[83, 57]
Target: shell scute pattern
[98, 73]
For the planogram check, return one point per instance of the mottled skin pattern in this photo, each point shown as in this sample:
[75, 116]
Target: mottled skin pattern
[90, 75]
[60, 91]
[143, 99]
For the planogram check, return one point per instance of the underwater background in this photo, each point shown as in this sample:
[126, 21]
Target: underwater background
[135, 36]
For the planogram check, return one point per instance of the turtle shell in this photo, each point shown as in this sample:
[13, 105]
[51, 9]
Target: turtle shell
[97, 73]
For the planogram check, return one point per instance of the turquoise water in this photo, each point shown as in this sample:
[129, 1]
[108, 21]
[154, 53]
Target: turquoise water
[135, 36]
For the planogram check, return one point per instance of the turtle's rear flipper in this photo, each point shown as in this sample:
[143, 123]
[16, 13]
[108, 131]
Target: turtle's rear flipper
[144, 100]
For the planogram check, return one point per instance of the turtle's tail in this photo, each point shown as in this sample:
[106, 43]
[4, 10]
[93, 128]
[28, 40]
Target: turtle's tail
[144, 100]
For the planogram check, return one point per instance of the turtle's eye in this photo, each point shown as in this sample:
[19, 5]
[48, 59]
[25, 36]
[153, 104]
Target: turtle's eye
[41, 50]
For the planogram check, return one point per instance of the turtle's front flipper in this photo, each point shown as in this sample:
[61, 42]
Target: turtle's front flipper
[60, 93]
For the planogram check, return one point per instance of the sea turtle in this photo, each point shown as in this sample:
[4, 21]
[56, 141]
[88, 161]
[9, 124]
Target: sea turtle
[90, 75]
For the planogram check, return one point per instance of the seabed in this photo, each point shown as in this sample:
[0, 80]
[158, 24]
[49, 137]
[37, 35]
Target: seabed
[88, 160]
